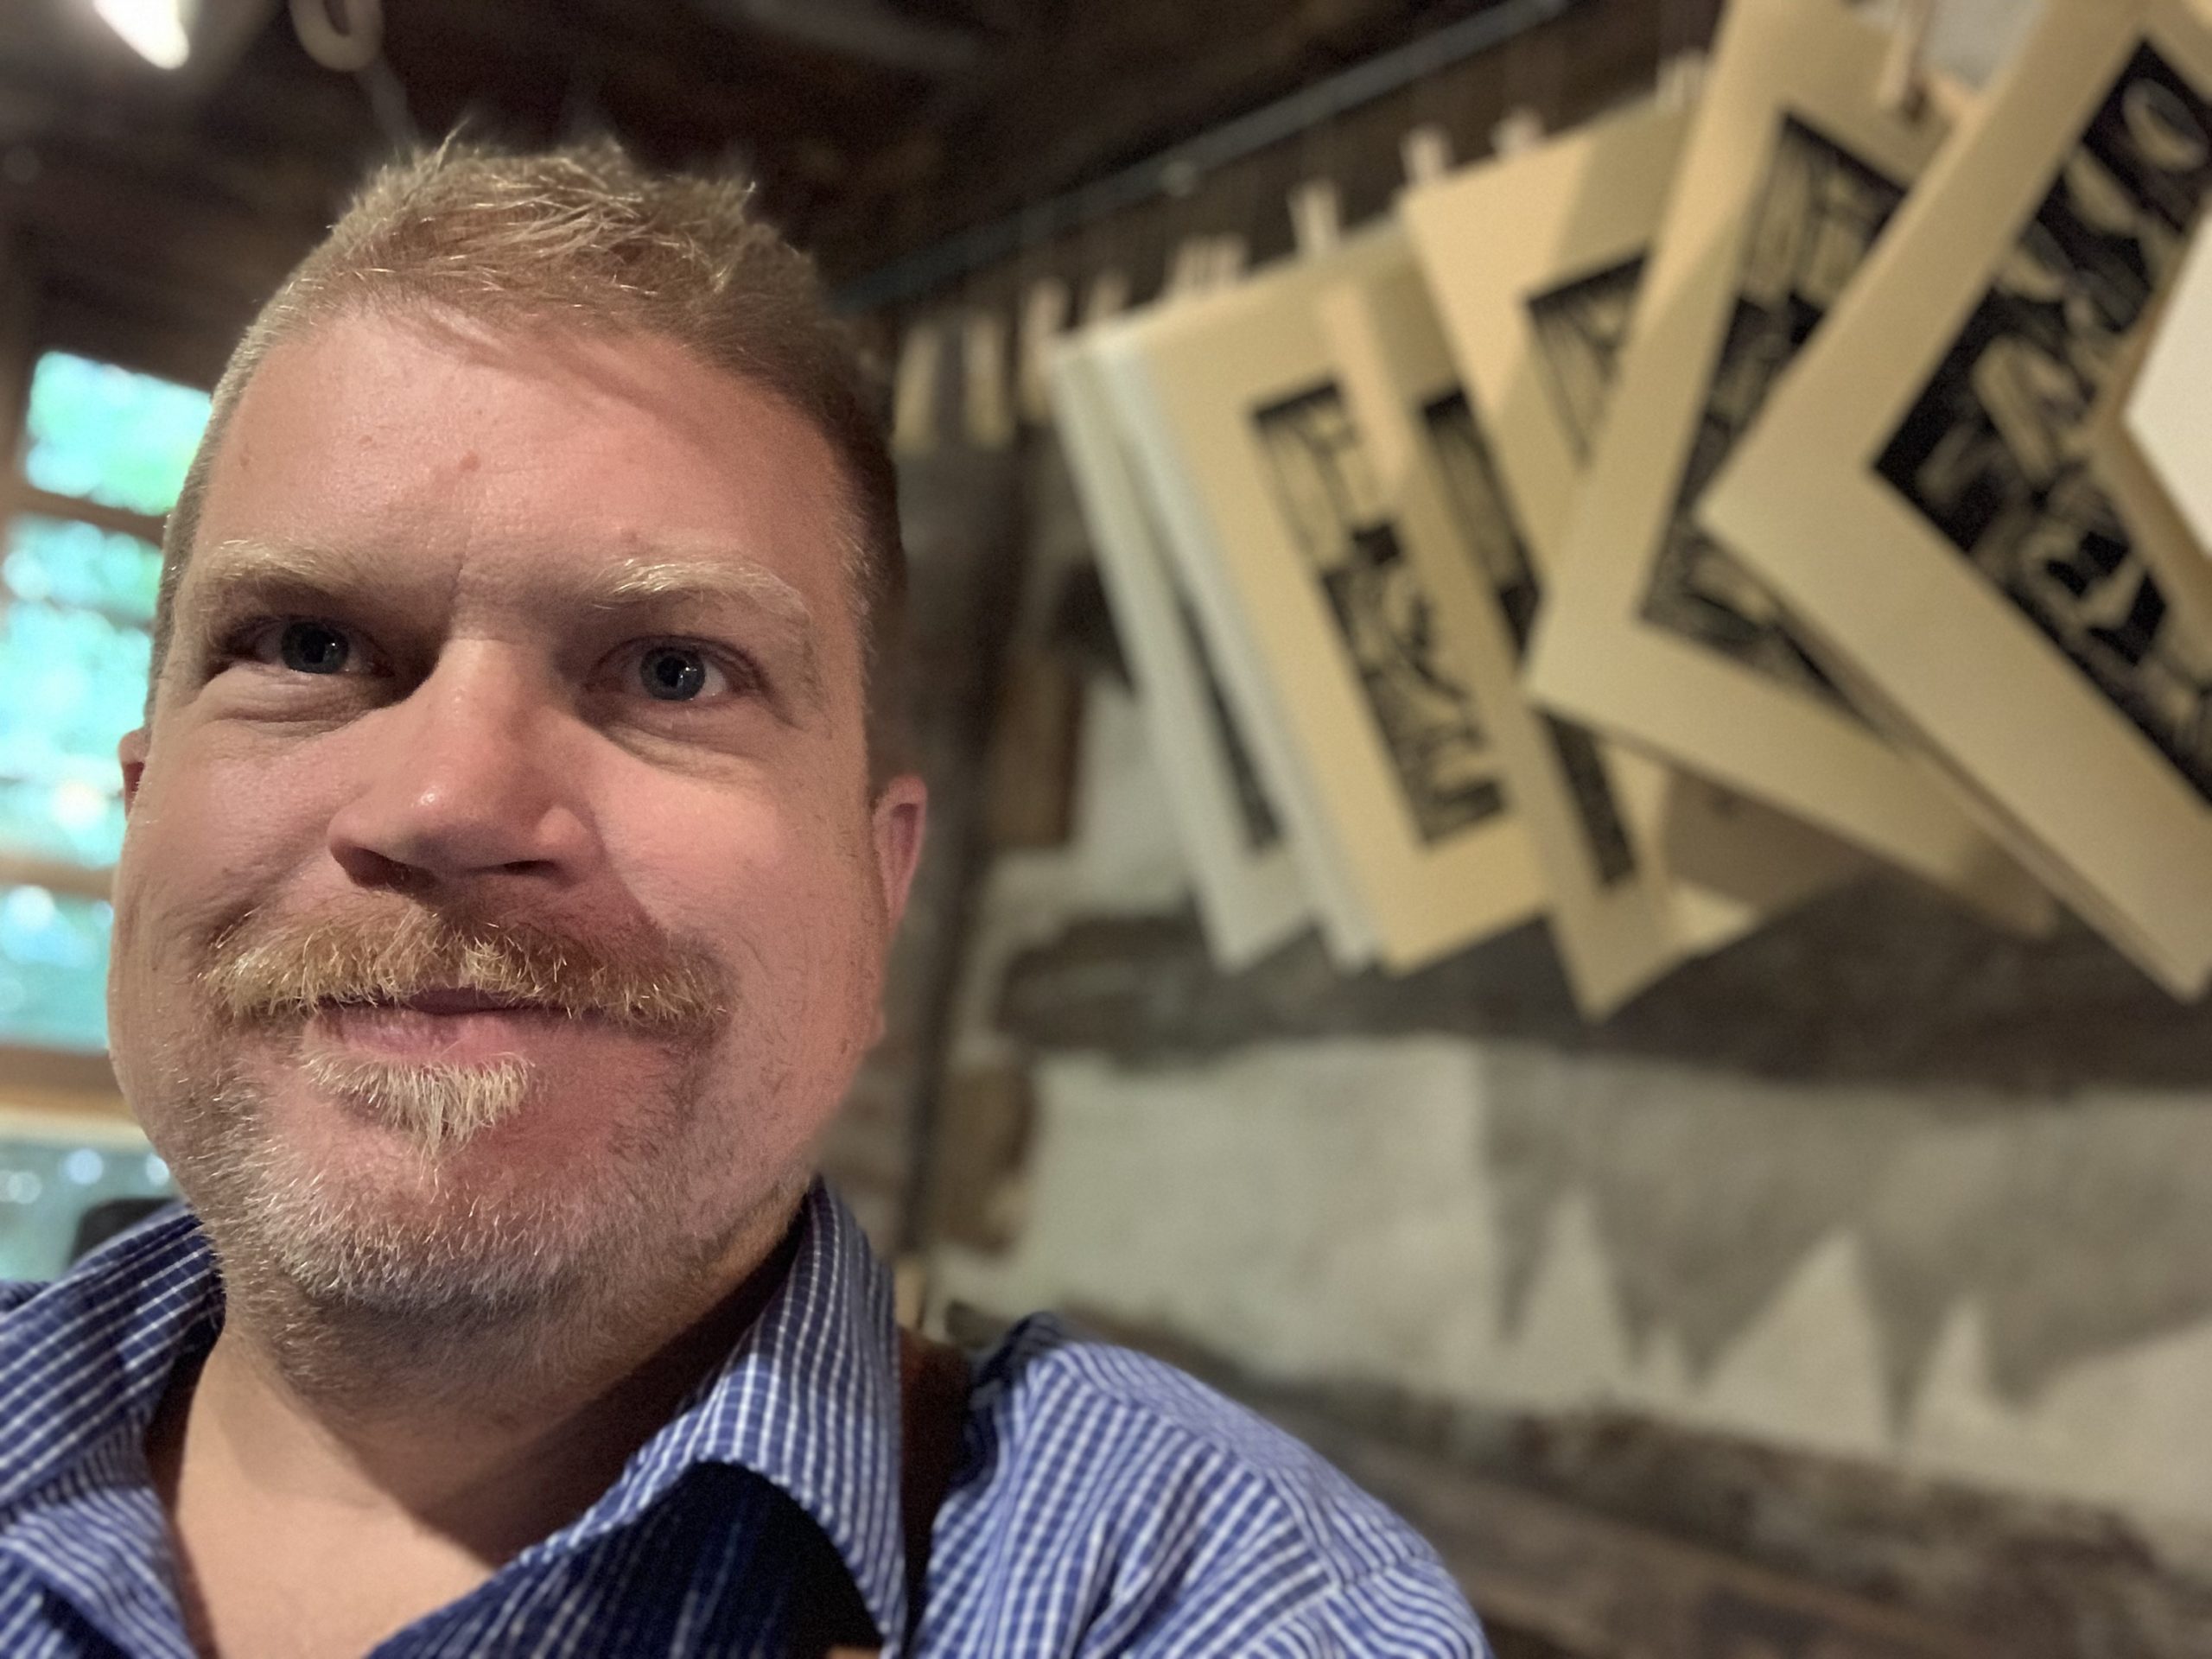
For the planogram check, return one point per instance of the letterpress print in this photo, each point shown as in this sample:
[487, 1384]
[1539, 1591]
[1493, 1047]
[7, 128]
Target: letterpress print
[1654, 631]
[1925, 488]
[1329, 503]
[1580, 327]
[1486, 517]
[1994, 451]
[1818, 214]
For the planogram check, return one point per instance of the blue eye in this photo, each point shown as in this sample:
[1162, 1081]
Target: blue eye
[672, 673]
[313, 648]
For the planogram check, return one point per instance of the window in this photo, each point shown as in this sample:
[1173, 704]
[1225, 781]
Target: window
[99, 434]
[104, 452]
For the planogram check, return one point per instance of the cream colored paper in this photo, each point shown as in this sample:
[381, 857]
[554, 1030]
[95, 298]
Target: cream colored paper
[2169, 406]
[2154, 440]
[1320, 627]
[1654, 632]
[1921, 488]
[1610, 910]
[1534, 261]
[2157, 526]
[1250, 896]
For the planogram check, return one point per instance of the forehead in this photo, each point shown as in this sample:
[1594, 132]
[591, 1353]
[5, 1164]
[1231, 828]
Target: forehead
[437, 446]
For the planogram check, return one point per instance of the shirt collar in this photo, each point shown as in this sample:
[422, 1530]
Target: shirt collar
[84, 1361]
[808, 1400]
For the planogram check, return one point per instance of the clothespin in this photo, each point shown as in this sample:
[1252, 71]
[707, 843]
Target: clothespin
[984, 379]
[1523, 129]
[914, 389]
[1316, 217]
[1044, 317]
[1427, 152]
[1225, 261]
[1682, 77]
[1188, 267]
[1108, 296]
[1903, 87]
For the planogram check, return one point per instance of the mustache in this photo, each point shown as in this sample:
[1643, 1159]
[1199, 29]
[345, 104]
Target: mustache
[263, 971]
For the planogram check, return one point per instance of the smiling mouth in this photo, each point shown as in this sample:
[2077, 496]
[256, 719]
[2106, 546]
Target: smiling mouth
[445, 1025]
[443, 1001]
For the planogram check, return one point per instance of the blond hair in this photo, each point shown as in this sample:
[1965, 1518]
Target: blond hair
[585, 236]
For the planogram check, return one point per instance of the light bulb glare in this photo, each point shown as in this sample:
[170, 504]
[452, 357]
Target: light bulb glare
[155, 29]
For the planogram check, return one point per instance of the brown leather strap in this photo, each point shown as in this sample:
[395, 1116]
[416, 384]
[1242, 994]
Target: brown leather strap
[932, 1410]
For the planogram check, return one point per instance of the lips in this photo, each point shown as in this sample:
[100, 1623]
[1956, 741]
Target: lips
[449, 1001]
[460, 1001]
[444, 1024]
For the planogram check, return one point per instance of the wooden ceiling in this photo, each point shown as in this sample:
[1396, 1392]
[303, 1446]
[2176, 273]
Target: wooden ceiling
[158, 210]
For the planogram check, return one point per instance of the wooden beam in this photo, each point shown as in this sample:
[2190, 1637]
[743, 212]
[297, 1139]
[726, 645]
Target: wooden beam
[106, 321]
[1603, 1590]
[54, 1115]
[1140, 75]
[1152, 73]
[83, 1076]
[25, 498]
[28, 870]
[75, 207]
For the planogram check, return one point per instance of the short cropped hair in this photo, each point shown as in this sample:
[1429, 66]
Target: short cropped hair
[584, 236]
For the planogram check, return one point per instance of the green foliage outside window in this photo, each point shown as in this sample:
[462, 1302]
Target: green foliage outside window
[106, 435]
[54, 969]
[74, 650]
[78, 564]
[76, 603]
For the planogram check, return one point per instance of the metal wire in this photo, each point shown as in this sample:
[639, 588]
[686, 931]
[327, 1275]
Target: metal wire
[1177, 168]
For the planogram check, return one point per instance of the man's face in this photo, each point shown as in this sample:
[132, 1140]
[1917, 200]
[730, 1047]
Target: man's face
[503, 902]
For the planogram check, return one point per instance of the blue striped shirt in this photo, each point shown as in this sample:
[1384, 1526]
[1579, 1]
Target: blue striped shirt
[1104, 1504]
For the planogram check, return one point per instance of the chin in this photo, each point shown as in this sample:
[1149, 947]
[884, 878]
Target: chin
[336, 1196]
[331, 1200]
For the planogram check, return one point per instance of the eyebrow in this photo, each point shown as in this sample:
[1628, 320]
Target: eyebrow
[235, 564]
[645, 582]
[635, 584]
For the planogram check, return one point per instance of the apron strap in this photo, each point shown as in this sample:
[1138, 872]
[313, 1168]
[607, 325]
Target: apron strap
[933, 1409]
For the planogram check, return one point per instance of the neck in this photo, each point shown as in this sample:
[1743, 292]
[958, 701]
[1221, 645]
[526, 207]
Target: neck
[493, 1437]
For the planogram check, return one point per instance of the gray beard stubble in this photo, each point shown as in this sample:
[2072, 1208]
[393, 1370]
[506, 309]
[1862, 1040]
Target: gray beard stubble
[358, 1292]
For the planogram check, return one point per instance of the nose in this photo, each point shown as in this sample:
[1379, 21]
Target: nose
[462, 779]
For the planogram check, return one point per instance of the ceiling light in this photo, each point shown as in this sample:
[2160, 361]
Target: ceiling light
[157, 30]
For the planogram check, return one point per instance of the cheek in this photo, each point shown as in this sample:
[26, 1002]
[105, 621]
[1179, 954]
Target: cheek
[211, 835]
[787, 897]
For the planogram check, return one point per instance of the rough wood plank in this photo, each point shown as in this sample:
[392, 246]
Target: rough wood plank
[1029, 786]
[80, 1076]
[1146, 76]
[1606, 1591]
[2033, 1577]
[1880, 982]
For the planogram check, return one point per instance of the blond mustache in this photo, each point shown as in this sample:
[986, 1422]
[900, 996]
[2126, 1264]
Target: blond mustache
[264, 971]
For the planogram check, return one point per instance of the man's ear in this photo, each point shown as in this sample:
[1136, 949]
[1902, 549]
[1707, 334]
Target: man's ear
[132, 752]
[901, 815]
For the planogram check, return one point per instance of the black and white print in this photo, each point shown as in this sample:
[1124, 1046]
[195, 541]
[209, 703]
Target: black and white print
[1817, 216]
[1993, 452]
[1580, 327]
[1255, 813]
[1487, 516]
[1332, 507]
